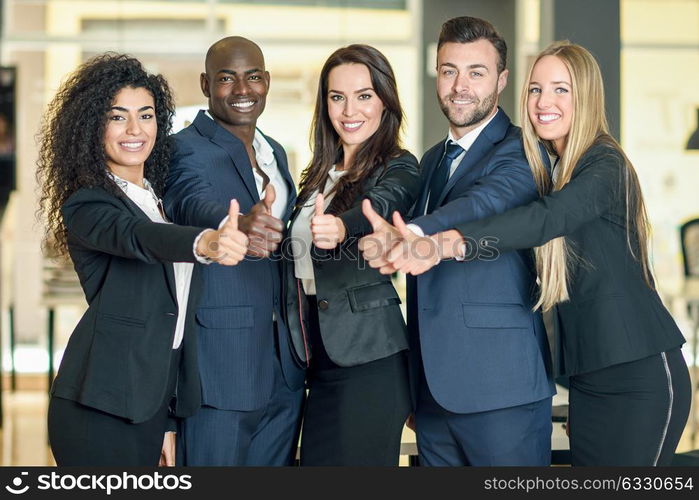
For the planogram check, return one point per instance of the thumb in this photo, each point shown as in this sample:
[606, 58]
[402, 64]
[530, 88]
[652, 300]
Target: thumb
[402, 228]
[233, 211]
[374, 219]
[320, 204]
[270, 196]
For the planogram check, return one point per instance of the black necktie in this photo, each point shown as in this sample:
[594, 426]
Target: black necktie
[440, 176]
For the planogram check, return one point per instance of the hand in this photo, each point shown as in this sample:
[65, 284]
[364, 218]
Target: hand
[415, 254]
[167, 454]
[451, 244]
[376, 246]
[263, 230]
[327, 230]
[410, 422]
[228, 245]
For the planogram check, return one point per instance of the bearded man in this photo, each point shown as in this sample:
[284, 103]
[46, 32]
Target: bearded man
[480, 361]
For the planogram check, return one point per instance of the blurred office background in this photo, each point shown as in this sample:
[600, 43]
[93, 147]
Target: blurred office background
[648, 49]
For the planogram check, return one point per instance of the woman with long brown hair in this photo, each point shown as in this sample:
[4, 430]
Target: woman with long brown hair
[629, 384]
[344, 317]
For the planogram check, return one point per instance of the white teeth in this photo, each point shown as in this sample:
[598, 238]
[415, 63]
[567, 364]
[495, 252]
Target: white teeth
[549, 117]
[243, 105]
[132, 145]
[352, 125]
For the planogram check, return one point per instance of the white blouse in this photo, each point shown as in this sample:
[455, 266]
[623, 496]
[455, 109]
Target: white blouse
[301, 237]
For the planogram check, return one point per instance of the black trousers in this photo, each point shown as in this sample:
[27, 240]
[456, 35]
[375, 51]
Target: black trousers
[630, 414]
[354, 415]
[84, 436]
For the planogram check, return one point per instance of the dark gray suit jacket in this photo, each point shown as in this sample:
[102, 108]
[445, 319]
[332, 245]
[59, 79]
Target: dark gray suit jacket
[359, 309]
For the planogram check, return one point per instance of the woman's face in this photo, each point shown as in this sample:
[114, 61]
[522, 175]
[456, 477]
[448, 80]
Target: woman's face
[130, 133]
[550, 101]
[353, 106]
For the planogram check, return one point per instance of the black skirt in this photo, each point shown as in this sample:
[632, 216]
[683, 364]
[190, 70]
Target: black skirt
[630, 414]
[353, 415]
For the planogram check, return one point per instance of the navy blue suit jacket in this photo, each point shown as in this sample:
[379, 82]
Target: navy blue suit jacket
[236, 334]
[481, 346]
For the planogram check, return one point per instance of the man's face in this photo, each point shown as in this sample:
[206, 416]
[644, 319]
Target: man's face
[236, 84]
[468, 84]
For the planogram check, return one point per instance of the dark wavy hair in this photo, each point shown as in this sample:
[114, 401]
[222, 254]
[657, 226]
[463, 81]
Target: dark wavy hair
[374, 153]
[71, 149]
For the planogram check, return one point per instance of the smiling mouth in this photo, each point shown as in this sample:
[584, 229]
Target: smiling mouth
[460, 101]
[351, 126]
[243, 105]
[132, 146]
[548, 117]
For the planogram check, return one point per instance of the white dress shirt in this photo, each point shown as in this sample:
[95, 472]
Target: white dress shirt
[149, 203]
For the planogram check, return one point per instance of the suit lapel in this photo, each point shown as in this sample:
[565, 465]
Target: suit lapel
[286, 175]
[233, 146]
[167, 266]
[239, 156]
[470, 164]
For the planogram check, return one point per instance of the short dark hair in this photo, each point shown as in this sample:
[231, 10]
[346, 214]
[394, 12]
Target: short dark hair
[467, 29]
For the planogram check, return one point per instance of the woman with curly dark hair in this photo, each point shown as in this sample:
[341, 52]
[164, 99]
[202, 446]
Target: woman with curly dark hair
[103, 159]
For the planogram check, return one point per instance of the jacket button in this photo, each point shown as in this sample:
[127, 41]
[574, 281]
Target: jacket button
[323, 305]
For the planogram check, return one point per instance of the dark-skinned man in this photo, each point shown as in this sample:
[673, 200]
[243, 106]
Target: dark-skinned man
[252, 386]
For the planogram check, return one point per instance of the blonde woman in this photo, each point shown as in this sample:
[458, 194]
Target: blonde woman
[629, 384]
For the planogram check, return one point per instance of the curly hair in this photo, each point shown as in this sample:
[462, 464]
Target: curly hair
[71, 139]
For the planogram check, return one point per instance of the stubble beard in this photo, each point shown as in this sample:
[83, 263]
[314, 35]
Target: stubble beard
[481, 111]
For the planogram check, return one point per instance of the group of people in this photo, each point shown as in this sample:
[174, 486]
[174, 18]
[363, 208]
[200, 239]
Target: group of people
[229, 317]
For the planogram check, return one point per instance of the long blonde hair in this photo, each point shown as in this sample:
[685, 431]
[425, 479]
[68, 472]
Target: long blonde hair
[555, 258]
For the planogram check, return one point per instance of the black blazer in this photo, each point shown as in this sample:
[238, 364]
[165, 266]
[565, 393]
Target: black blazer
[118, 357]
[612, 316]
[358, 307]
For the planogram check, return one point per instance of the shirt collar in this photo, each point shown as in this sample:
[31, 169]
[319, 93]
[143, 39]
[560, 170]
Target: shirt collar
[263, 149]
[125, 185]
[467, 140]
[335, 174]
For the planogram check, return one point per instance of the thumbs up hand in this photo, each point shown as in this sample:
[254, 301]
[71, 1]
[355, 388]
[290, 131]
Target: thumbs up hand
[228, 245]
[263, 229]
[270, 196]
[415, 254]
[327, 230]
